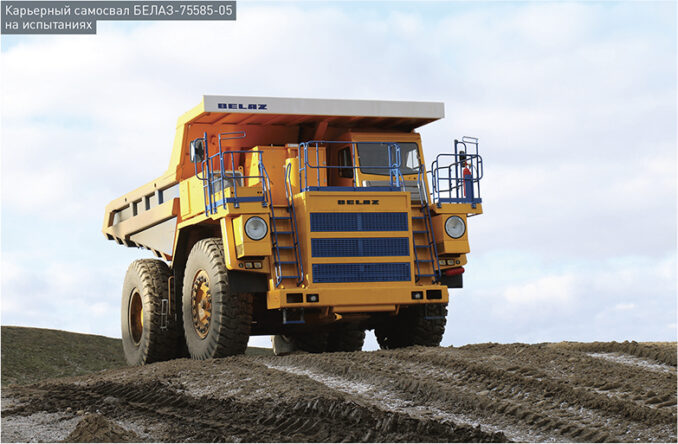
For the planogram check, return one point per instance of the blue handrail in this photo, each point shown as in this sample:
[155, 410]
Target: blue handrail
[228, 178]
[393, 167]
[458, 180]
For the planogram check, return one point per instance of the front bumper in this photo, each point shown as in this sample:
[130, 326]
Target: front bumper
[357, 299]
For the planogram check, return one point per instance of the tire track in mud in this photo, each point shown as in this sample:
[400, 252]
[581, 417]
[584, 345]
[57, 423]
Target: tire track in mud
[663, 352]
[384, 399]
[593, 373]
[548, 409]
[529, 386]
[208, 419]
[455, 401]
[655, 389]
[540, 393]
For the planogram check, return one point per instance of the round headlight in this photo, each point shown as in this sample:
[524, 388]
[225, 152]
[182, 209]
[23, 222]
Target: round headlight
[455, 227]
[256, 228]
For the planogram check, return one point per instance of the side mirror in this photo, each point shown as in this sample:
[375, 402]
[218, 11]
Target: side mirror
[197, 150]
[462, 156]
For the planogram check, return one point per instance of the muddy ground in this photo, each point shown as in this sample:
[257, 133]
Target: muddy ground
[591, 392]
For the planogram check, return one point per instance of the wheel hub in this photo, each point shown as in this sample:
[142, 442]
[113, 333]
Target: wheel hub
[136, 317]
[201, 303]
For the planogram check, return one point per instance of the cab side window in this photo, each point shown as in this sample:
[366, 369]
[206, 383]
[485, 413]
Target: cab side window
[411, 160]
[346, 160]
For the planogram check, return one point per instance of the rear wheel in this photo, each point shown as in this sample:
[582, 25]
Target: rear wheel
[411, 327]
[346, 338]
[143, 339]
[216, 322]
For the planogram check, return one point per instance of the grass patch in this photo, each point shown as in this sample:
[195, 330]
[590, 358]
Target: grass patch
[32, 354]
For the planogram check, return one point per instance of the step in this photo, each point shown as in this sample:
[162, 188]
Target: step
[425, 275]
[419, 231]
[421, 246]
[286, 263]
[423, 261]
[282, 218]
[292, 277]
[281, 232]
[284, 247]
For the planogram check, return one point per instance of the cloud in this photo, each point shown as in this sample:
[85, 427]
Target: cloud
[624, 307]
[630, 297]
[556, 290]
[67, 295]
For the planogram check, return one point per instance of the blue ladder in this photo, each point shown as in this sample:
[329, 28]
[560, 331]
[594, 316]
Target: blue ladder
[430, 244]
[287, 266]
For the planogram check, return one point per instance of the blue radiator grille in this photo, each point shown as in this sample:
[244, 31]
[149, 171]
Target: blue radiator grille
[359, 222]
[360, 247]
[327, 273]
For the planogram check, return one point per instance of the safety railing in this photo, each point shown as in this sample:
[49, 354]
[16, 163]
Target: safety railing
[221, 171]
[393, 166]
[455, 177]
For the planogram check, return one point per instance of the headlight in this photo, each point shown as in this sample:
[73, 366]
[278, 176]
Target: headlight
[256, 228]
[455, 227]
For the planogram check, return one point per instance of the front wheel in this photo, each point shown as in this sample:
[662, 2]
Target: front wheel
[313, 341]
[414, 325]
[346, 338]
[217, 322]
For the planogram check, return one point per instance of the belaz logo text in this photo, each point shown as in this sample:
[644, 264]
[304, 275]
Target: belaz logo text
[257, 106]
[358, 202]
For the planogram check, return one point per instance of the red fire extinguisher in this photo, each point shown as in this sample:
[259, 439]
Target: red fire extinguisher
[467, 181]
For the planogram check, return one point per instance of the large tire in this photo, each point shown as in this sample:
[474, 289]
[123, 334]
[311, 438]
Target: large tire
[216, 322]
[312, 341]
[410, 327]
[346, 338]
[143, 340]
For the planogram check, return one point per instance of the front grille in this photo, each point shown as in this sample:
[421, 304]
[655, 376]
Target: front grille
[358, 222]
[329, 273]
[360, 247]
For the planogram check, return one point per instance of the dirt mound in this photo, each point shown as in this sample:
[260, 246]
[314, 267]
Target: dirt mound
[481, 393]
[96, 428]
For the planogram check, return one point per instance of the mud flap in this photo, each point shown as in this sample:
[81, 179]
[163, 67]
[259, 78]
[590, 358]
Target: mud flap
[282, 345]
[164, 309]
[456, 281]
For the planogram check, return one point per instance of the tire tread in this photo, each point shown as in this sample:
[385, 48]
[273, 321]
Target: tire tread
[232, 315]
[410, 327]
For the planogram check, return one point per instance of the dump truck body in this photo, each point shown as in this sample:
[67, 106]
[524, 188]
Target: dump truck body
[324, 211]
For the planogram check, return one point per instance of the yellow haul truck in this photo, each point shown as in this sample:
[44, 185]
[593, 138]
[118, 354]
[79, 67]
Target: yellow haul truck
[308, 220]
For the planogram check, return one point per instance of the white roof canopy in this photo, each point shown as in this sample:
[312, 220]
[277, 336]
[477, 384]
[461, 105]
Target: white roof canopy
[293, 111]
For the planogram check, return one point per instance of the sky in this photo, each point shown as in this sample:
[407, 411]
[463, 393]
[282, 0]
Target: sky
[574, 105]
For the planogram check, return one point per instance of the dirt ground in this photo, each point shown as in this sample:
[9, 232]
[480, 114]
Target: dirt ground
[595, 392]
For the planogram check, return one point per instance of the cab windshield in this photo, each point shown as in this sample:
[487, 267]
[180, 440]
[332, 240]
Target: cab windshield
[373, 155]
